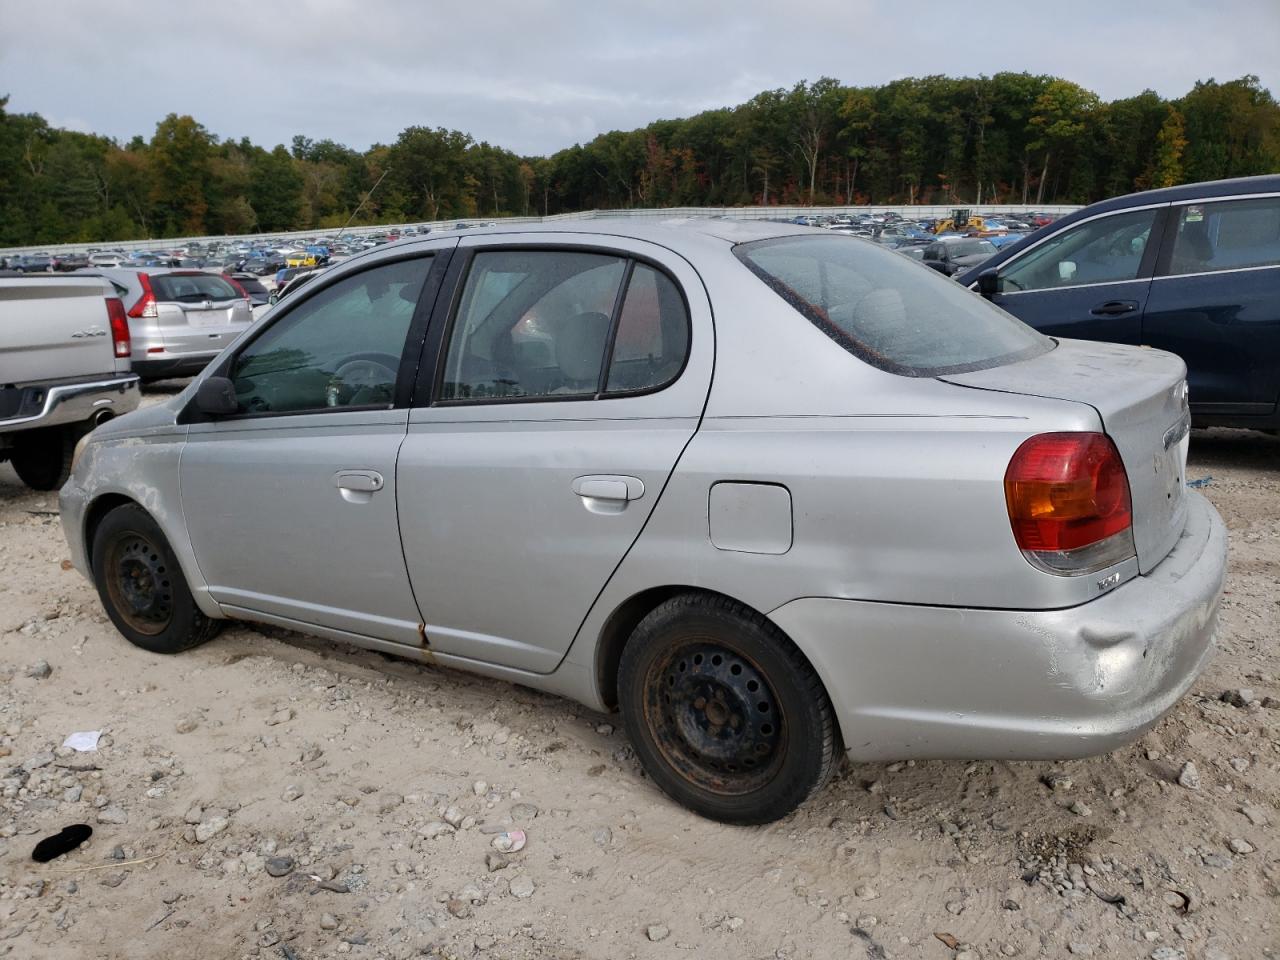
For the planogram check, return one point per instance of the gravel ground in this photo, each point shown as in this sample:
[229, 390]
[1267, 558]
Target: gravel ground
[276, 795]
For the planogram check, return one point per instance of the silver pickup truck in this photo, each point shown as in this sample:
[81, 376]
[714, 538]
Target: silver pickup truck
[64, 369]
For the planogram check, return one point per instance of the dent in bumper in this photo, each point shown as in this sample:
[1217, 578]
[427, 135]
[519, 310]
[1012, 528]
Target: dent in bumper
[939, 682]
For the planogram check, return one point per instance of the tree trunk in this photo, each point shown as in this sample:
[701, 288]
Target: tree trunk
[1044, 175]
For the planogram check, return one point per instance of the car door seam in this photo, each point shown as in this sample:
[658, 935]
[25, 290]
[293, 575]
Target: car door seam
[706, 401]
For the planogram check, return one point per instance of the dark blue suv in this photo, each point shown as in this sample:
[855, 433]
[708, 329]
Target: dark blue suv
[1193, 269]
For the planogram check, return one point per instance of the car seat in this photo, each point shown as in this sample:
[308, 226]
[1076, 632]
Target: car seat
[579, 346]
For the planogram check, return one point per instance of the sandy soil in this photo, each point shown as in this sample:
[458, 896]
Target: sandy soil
[374, 786]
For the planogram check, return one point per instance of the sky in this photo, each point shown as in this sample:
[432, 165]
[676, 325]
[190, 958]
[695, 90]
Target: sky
[536, 76]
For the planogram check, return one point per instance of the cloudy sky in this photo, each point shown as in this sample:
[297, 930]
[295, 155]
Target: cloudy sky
[538, 75]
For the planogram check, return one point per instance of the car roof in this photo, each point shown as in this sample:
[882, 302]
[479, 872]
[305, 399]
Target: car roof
[1268, 183]
[680, 234]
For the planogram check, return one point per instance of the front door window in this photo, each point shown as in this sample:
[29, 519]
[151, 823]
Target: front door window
[339, 349]
[1106, 250]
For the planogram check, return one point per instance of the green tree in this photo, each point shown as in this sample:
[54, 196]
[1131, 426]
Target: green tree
[180, 153]
[275, 193]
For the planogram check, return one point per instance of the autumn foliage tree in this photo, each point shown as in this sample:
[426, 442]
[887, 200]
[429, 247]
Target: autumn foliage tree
[1004, 138]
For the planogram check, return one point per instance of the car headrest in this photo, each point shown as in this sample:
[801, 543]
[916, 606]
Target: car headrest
[580, 341]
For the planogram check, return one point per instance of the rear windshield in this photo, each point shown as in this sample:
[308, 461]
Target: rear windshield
[894, 314]
[251, 284]
[969, 248]
[191, 288]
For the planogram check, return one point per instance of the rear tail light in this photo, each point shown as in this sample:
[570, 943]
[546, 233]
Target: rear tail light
[1069, 503]
[146, 305]
[119, 326]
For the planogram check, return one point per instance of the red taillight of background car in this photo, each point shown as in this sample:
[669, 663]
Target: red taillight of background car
[146, 305]
[1069, 503]
[119, 326]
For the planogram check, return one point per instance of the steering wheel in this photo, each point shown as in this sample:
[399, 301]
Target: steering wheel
[363, 371]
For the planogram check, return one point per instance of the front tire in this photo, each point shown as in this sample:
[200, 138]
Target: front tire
[725, 713]
[142, 585]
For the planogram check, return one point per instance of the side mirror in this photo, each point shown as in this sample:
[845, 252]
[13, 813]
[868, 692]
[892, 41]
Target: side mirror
[274, 298]
[989, 282]
[216, 396]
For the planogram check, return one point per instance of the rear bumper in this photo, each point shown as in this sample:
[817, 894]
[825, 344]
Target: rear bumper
[182, 365]
[55, 404]
[953, 683]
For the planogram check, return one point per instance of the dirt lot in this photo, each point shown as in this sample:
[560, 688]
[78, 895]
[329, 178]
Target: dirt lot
[375, 788]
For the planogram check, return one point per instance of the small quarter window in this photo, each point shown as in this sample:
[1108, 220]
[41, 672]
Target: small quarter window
[653, 333]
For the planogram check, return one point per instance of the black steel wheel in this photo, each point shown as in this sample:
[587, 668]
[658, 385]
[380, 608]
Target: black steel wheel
[725, 713]
[141, 584]
[715, 717]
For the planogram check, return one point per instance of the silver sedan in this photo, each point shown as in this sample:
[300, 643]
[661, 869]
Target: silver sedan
[774, 493]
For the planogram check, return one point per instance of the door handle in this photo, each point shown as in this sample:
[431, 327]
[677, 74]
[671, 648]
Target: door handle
[365, 481]
[358, 486]
[1114, 308]
[616, 489]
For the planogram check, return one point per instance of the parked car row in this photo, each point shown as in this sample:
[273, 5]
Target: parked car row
[44, 262]
[261, 259]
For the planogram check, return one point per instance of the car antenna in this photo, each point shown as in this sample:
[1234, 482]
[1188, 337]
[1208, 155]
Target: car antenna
[361, 204]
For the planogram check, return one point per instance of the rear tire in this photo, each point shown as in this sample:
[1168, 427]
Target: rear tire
[142, 586]
[725, 713]
[42, 458]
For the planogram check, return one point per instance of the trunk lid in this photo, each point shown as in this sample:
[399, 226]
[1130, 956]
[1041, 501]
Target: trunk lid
[201, 327]
[1140, 395]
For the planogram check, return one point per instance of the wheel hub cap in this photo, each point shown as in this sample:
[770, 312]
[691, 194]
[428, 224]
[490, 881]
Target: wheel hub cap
[716, 718]
[141, 585]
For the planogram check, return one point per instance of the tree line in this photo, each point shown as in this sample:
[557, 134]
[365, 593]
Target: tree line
[1006, 138]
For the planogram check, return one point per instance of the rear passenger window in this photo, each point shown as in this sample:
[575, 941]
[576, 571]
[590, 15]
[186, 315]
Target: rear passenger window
[1227, 235]
[653, 333]
[557, 324]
